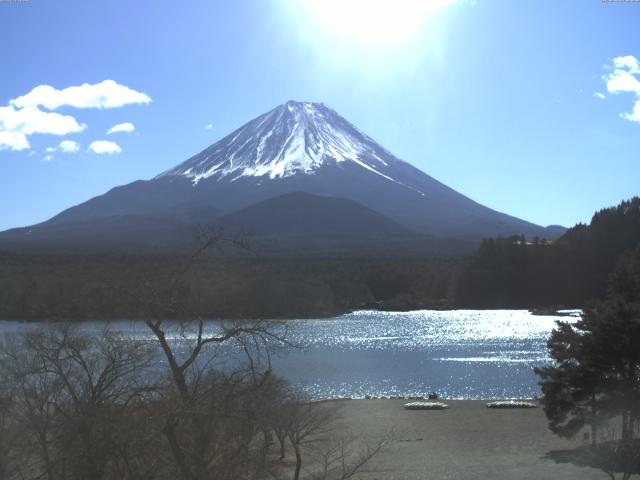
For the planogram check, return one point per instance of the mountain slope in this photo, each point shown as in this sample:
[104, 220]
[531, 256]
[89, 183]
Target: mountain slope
[296, 147]
[303, 214]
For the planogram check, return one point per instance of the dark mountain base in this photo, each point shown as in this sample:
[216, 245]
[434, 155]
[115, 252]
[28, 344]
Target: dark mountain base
[185, 241]
[295, 224]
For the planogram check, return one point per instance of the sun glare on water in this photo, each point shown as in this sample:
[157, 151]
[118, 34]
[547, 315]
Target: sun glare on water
[381, 22]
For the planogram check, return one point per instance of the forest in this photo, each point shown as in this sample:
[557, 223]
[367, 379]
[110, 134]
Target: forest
[532, 273]
[510, 272]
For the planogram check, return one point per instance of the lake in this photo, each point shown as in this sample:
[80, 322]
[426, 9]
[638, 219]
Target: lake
[460, 354]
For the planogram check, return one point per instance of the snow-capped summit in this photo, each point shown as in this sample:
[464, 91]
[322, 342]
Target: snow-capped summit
[296, 137]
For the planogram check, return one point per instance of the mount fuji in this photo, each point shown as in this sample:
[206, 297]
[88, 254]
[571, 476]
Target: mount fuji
[299, 173]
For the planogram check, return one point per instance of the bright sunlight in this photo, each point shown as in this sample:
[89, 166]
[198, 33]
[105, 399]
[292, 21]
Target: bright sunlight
[375, 21]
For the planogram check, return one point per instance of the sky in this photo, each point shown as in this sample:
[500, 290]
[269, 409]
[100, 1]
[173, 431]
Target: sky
[530, 107]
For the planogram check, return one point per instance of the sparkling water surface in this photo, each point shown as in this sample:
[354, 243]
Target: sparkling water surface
[466, 354]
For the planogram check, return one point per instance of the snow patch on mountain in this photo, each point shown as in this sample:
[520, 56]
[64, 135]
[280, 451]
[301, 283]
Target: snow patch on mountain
[294, 138]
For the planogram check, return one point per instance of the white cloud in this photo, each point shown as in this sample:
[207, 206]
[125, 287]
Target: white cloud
[106, 94]
[23, 116]
[47, 158]
[634, 116]
[50, 149]
[628, 62]
[104, 146]
[17, 125]
[208, 126]
[122, 127]
[13, 140]
[69, 146]
[33, 120]
[623, 80]
[599, 95]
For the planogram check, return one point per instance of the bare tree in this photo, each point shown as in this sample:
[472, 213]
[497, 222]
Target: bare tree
[318, 439]
[71, 395]
[309, 422]
[197, 401]
[346, 456]
[10, 434]
[215, 373]
[222, 413]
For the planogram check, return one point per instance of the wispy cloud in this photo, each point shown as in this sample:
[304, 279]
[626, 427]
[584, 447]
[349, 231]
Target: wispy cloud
[106, 94]
[127, 127]
[624, 79]
[599, 95]
[208, 126]
[628, 62]
[104, 147]
[66, 146]
[69, 146]
[17, 124]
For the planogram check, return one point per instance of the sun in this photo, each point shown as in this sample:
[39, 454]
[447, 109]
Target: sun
[383, 22]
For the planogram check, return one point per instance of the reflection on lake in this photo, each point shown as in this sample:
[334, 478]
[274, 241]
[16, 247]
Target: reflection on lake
[471, 354]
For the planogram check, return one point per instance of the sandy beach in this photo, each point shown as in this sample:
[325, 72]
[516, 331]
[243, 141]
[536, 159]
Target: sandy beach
[466, 442]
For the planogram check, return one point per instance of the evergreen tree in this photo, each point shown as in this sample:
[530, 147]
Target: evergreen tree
[572, 387]
[596, 375]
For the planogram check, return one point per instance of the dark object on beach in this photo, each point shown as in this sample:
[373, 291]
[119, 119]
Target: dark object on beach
[555, 311]
[433, 396]
[511, 404]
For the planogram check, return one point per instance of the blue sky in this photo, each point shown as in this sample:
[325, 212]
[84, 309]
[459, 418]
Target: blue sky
[496, 99]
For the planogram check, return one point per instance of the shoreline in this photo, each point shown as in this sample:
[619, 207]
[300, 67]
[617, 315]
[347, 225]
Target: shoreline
[426, 399]
[536, 312]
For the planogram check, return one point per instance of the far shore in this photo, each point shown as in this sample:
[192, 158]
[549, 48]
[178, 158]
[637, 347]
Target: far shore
[539, 312]
[467, 441]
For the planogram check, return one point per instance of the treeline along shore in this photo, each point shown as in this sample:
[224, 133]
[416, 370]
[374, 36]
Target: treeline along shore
[510, 272]
[119, 286]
